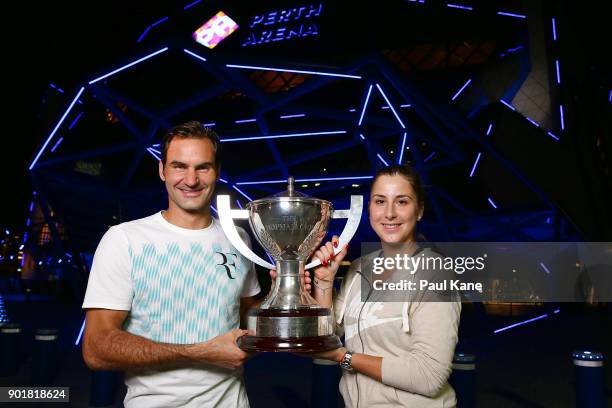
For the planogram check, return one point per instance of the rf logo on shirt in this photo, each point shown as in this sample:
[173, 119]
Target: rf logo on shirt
[226, 258]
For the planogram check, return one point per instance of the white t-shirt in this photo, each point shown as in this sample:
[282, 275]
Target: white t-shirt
[180, 286]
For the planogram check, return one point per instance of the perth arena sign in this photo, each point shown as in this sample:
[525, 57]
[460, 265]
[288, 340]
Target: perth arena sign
[284, 24]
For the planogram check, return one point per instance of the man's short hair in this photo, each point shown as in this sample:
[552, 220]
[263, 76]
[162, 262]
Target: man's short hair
[192, 130]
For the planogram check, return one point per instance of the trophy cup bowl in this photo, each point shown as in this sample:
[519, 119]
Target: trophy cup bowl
[290, 226]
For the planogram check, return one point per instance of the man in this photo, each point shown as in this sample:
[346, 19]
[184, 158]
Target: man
[164, 291]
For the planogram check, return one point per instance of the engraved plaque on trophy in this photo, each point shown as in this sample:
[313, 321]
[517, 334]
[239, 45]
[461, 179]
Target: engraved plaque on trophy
[290, 226]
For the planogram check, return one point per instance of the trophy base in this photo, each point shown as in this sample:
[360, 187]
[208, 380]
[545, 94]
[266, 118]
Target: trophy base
[301, 330]
[290, 344]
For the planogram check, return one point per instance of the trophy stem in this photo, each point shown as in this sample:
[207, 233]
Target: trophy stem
[288, 291]
[289, 268]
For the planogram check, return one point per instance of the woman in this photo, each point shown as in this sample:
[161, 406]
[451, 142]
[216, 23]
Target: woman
[397, 353]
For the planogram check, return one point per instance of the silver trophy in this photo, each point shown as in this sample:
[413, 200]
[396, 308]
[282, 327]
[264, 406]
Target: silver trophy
[290, 226]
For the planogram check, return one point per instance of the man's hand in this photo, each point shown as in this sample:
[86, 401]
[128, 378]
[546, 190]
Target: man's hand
[306, 279]
[106, 346]
[222, 350]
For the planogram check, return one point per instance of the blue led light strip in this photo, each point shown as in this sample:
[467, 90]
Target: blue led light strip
[193, 54]
[545, 315]
[533, 121]
[191, 4]
[428, 158]
[59, 123]
[242, 139]
[161, 20]
[552, 135]
[146, 31]
[545, 268]
[461, 89]
[153, 154]
[295, 71]
[365, 105]
[303, 180]
[60, 90]
[78, 339]
[75, 121]
[504, 13]
[131, 64]
[401, 155]
[144, 34]
[60, 140]
[558, 75]
[381, 159]
[458, 6]
[297, 115]
[475, 164]
[508, 105]
[391, 106]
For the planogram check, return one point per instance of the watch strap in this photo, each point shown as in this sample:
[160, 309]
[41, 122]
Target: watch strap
[345, 363]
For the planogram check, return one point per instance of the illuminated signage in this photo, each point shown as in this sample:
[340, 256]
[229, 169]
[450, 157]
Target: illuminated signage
[283, 25]
[215, 30]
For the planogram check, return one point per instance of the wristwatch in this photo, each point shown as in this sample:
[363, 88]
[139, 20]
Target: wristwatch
[345, 363]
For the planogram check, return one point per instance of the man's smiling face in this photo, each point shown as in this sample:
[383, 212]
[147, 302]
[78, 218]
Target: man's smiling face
[190, 174]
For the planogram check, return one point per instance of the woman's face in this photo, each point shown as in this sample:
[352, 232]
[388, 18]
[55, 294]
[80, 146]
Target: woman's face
[394, 209]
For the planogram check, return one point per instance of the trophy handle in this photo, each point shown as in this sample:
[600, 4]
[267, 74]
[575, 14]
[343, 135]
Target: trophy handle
[354, 217]
[226, 217]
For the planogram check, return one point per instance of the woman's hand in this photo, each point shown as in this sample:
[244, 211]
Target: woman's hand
[329, 262]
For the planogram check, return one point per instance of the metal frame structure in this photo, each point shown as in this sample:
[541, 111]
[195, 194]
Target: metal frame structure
[366, 125]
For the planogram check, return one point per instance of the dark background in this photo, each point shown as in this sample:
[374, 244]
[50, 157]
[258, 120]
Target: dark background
[65, 42]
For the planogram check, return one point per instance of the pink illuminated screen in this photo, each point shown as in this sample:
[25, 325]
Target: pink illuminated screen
[215, 30]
